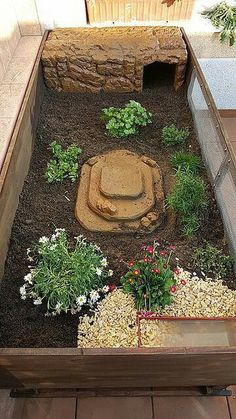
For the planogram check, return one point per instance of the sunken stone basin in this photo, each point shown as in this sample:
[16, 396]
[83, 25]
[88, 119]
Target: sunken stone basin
[120, 192]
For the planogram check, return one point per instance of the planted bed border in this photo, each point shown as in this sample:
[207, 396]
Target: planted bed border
[81, 368]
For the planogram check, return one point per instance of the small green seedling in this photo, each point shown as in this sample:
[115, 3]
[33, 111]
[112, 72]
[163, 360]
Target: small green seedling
[64, 164]
[171, 135]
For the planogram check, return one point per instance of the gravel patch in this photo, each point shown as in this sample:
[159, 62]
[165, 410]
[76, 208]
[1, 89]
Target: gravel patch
[114, 323]
[200, 298]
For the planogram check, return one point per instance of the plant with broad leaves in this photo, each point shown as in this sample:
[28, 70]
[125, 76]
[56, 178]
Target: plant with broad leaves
[171, 135]
[122, 122]
[64, 164]
[65, 277]
[151, 279]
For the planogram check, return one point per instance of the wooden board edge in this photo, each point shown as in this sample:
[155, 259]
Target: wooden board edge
[6, 163]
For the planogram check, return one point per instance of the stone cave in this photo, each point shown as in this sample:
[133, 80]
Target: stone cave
[111, 59]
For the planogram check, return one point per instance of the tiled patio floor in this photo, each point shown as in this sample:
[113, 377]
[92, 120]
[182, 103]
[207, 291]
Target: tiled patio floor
[229, 123]
[119, 407]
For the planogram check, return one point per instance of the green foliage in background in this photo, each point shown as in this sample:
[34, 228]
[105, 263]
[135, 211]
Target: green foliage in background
[223, 17]
[171, 135]
[64, 164]
[122, 122]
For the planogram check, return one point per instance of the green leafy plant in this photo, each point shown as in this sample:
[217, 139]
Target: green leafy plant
[190, 224]
[188, 198]
[151, 279]
[212, 260]
[186, 161]
[171, 135]
[64, 165]
[223, 17]
[65, 277]
[122, 122]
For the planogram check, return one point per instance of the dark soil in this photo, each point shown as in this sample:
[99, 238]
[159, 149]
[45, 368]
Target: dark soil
[74, 118]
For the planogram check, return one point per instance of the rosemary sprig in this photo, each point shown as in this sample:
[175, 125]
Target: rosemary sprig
[223, 17]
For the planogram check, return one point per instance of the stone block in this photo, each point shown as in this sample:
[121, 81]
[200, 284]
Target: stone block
[112, 59]
[120, 192]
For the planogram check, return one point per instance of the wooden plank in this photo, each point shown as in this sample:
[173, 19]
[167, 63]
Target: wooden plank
[115, 408]
[110, 392]
[190, 408]
[232, 402]
[8, 380]
[44, 409]
[18, 156]
[23, 107]
[53, 369]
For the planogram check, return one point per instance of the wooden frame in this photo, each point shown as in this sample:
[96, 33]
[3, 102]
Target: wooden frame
[106, 368]
[112, 368]
[18, 155]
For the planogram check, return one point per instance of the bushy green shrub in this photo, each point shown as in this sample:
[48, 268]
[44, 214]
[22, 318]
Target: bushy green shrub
[189, 199]
[122, 122]
[65, 277]
[151, 279]
[186, 161]
[64, 164]
[212, 260]
[171, 135]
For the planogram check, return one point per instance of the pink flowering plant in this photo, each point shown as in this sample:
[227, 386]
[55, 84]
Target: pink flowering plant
[151, 279]
[63, 276]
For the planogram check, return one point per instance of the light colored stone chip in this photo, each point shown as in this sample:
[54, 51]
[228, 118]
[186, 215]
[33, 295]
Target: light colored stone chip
[114, 324]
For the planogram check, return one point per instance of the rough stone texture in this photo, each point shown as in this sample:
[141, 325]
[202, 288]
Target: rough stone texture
[110, 59]
[120, 192]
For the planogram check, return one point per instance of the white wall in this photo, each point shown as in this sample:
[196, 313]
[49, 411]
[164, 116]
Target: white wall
[34, 16]
[9, 34]
[65, 13]
[220, 74]
[27, 16]
[61, 13]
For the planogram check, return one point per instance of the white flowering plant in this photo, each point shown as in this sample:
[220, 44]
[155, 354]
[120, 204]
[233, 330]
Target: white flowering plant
[64, 277]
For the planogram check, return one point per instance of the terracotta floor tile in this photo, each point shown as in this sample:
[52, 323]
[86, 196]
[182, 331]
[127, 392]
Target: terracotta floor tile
[114, 408]
[232, 402]
[230, 127]
[190, 408]
[45, 408]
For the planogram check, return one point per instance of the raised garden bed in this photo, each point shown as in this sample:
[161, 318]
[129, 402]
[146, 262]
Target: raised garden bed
[75, 118]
